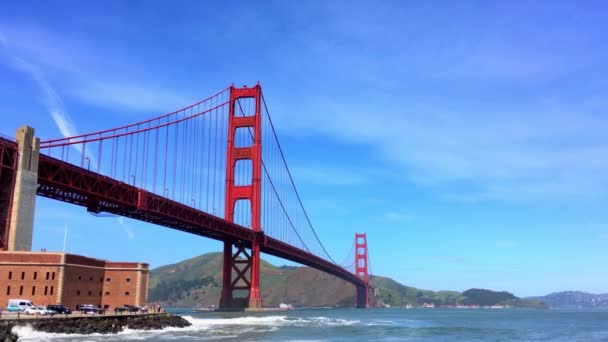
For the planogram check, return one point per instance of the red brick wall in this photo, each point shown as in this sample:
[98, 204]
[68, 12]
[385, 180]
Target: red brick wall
[84, 261]
[85, 280]
[114, 264]
[28, 288]
[121, 289]
[144, 287]
[22, 268]
[82, 285]
[28, 257]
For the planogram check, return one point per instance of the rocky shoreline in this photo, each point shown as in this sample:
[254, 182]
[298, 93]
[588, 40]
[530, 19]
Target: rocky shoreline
[94, 324]
[6, 334]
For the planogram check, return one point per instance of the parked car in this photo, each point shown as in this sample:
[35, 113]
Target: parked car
[34, 310]
[22, 303]
[132, 308]
[14, 308]
[121, 309]
[89, 309]
[62, 309]
[46, 311]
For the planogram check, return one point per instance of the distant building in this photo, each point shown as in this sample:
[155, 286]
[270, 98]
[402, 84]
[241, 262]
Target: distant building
[60, 278]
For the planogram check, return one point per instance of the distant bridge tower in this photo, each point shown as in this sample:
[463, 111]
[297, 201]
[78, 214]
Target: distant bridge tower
[361, 269]
[241, 262]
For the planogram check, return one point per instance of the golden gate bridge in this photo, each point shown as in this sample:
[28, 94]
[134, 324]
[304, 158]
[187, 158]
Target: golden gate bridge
[214, 169]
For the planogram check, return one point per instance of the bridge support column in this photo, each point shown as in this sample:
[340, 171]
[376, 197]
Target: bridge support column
[226, 295]
[24, 196]
[238, 278]
[362, 296]
[255, 298]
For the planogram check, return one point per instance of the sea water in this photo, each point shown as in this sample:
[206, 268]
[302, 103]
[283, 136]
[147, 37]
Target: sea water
[369, 325]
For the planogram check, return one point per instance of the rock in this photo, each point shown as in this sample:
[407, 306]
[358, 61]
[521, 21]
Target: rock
[104, 325]
[6, 333]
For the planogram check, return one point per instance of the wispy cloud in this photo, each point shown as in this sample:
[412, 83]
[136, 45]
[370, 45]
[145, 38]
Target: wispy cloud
[448, 259]
[505, 244]
[128, 230]
[503, 154]
[328, 175]
[485, 123]
[49, 97]
[129, 94]
[397, 216]
[503, 117]
[93, 76]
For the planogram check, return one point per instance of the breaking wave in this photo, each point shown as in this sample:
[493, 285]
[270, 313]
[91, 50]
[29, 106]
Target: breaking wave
[276, 321]
[201, 328]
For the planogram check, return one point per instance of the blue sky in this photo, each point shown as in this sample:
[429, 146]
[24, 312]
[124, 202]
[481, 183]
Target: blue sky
[467, 139]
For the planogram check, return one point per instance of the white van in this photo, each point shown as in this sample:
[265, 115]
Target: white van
[22, 303]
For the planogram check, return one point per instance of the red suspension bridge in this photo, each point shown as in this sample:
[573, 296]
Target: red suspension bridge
[214, 169]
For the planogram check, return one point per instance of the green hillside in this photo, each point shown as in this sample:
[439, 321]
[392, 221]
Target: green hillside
[197, 281]
[396, 294]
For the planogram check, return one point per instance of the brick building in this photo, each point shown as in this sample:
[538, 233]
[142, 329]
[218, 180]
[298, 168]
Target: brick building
[69, 279]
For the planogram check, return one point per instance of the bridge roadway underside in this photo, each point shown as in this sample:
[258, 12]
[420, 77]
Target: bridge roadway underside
[69, 183]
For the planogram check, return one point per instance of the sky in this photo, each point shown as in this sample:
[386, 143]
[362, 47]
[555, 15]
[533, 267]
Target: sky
[467, 139]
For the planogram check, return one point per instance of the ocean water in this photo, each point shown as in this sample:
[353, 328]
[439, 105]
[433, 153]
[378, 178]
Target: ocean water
[369, 325]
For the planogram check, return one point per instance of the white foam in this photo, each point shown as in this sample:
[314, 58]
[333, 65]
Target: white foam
[27, 333]
[234, 327]
[247, 320]
[325, 321]
[266, 321]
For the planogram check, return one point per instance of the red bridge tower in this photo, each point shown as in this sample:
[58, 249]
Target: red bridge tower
[242, 262]
[361, 269]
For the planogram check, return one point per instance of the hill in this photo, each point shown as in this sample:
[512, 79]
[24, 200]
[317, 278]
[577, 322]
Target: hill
[396, 294]
[198, 281]
[574, 299]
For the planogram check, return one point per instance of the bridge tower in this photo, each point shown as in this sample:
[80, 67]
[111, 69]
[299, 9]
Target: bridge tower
[361, 269]
[18, 236]
[241, 262]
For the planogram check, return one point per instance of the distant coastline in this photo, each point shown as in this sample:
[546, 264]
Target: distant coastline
[574, 300]
[196, 282]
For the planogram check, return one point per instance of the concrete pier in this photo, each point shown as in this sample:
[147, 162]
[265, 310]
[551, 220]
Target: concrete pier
[24, 197]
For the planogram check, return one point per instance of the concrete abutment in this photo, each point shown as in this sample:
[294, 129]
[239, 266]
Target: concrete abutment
[24, 196]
